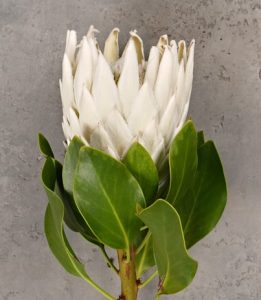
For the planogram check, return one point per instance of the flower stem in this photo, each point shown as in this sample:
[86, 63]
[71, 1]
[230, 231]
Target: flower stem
[129, 287]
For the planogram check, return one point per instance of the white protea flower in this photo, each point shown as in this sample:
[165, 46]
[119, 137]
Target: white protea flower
[111, 101]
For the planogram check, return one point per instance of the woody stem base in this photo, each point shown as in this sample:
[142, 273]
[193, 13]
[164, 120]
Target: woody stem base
[127, 272]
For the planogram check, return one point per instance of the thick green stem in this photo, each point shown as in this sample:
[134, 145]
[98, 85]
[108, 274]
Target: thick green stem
[129, 287]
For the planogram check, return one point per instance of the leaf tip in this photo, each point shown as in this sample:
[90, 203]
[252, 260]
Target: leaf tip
[44, 146]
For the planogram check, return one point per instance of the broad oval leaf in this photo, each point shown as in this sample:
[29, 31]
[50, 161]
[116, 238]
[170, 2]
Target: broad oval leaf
[54, 231]
[182, 162]
[52, 178]
[54, 226]
[140, 164]
[176, 268]
[44, 146]
[201, 208]
[107, 196]
[70, 162]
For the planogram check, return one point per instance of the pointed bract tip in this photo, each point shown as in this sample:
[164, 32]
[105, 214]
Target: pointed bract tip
[91, 32]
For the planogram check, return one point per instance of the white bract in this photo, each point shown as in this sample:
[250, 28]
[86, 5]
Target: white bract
[111, 101]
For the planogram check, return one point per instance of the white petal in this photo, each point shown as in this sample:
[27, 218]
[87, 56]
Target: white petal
[138, 46]
[143, 111]
[111, 48]
[140, 54]
[182, 52]
[152, 66]
[150, 135]
[158, 152]
[189, 70]
[180, 91]
[163, 85]
[162, 43]
[65, 105]
[66, 129]
[112, 152]
[128, 83]
[170, 120]
[104, 88]
[173, 46]
[94, 50]
[71, 42]
[118, 131]
[101, 140]
[89, 116]
[182, 121]
[92, 32]
[74, 123]
[67, 84]
[184, 115]
[93, 44]
[153, 140]
[174, 52]
[66, 143]
[83, 75]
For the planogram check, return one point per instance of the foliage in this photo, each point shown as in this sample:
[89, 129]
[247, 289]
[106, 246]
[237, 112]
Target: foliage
[114, 204]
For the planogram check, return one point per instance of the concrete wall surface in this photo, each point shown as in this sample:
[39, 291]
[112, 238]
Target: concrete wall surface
[226, 102]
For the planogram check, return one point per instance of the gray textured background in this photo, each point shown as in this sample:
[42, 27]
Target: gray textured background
[225, 102]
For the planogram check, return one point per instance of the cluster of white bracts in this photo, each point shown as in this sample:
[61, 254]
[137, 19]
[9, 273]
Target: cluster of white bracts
[111, 101]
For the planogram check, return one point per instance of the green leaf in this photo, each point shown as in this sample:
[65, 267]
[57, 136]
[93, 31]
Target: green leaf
[54, 226]
[70, 162]
[201, 138]
[52, 178]
[176, 268]
[145, 258]
[69, 216]
[72, 217]
[44, 146]
[142, 167]
[183, 162]
[54, 231]
[107, 196]
[202, 207]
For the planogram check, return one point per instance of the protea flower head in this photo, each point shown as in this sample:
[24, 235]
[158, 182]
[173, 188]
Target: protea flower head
[112, 100]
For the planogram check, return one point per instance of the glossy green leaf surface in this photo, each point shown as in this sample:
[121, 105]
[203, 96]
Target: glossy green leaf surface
[108, 196]
[145, 259]
[201, 208]
[175, 267]
[44, 146]
[183, 162]
[69, 215]
[70, 162]
[54, 227]
[52, 178]
[72, 217]
[142, 167]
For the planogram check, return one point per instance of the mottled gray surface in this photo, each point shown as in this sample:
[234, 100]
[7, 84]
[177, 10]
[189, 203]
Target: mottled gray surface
[225, 102]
